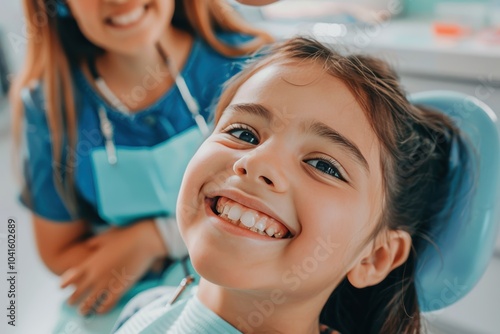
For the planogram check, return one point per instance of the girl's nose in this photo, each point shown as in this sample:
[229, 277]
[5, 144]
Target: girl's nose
[264, 167]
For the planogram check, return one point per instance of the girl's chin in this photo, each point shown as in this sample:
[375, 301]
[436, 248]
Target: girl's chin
[234, 270]
[228, 278]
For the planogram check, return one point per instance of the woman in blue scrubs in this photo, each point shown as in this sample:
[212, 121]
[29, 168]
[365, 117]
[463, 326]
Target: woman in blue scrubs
[105, 85]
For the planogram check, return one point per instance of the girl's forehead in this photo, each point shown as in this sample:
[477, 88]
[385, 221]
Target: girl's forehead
[295, 73]
[300, 86]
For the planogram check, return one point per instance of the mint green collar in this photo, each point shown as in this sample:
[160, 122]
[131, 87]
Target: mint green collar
[187, 315]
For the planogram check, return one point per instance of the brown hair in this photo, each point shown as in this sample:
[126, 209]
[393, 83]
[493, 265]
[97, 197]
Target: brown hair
[56, 42]
[415, 145]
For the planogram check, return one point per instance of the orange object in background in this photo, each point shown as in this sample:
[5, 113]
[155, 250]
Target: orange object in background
[450, 29]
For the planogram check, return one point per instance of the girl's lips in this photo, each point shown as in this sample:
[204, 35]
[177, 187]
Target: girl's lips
[254, 203]
[232, 228]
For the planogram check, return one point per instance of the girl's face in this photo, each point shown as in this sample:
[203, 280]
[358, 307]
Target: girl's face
[292, 155]
[124, 26]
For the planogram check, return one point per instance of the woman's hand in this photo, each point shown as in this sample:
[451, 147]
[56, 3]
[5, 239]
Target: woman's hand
[119, 258]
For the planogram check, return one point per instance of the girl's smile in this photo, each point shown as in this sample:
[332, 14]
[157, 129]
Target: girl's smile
[248, 215]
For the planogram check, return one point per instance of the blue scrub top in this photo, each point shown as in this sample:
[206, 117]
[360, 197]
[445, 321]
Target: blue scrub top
[205, 71]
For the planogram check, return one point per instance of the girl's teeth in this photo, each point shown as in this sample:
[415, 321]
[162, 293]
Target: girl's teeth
[261, 224]
[234, 213]
[248, 219]
[270, 231]
[226, 210]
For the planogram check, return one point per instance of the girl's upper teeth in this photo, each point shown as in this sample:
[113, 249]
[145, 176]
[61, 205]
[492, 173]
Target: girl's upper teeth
[250, 219]
[261, 224]
[235, 212]
[129, 17]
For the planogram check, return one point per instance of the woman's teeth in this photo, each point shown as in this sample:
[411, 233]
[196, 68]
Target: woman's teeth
[250, 219]
[128, 18]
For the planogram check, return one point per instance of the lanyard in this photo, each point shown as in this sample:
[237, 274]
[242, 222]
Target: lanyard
[107, 127]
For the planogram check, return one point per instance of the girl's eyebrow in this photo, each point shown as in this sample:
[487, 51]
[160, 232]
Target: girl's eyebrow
[253, 109]
[319, 129]
[324, 131]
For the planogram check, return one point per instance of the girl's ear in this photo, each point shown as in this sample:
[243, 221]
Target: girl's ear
[390, 251]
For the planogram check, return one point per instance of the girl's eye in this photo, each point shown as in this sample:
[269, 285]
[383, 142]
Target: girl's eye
[327, 167]
[243, 133]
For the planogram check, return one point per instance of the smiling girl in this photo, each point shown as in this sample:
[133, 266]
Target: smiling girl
[103, 78]
[312, 213]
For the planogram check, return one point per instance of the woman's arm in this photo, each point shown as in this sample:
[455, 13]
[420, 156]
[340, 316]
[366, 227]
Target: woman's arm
[118, 258]
[92, 264]
[61, 245]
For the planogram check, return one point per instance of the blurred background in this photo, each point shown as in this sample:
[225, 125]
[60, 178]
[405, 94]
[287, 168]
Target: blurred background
[453, 45]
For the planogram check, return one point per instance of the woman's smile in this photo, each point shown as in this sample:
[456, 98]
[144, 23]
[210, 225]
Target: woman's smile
[128, 18]
[123, 27]
[136, 17]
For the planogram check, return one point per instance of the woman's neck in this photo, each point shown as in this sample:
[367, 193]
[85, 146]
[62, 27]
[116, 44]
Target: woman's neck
[146, 71]
[262, 312]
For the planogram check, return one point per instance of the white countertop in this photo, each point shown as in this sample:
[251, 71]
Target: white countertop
[411, 46]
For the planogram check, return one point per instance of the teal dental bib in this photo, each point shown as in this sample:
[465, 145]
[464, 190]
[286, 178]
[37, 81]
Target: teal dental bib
[144, 181]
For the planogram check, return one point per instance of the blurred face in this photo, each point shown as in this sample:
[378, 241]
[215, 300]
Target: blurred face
[286, 190]
[124, 26]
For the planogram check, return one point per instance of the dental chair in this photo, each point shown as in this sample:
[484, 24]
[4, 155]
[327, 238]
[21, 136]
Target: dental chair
[465, 233]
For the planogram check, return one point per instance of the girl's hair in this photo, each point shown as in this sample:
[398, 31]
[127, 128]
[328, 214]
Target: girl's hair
[55, 42]
[415, 146]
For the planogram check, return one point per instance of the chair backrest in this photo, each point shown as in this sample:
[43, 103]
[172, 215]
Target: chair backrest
[465, 235]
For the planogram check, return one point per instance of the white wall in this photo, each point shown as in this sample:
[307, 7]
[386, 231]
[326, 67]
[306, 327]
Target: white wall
[12, 25]
[38, 296]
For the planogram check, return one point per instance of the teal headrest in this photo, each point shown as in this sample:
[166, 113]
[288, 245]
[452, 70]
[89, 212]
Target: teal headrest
[463, 235]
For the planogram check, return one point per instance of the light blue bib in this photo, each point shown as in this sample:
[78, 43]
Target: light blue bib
[187, 315]
[139, 182]
[144, 181]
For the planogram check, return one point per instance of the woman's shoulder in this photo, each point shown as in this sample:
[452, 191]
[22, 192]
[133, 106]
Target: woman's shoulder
[228, 38]
[233, 38]
[34, 103]
[207, 65]
[33, 93]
